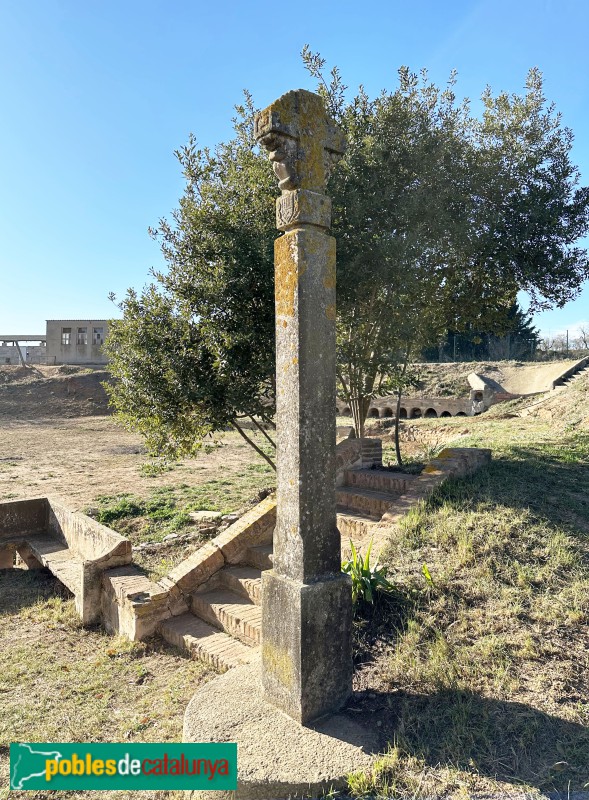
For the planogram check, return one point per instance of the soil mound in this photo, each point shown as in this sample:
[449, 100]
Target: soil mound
[52, 392]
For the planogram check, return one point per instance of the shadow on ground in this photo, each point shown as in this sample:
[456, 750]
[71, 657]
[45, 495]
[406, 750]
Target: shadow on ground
[21, 588]
[500, 740]
[550, 479]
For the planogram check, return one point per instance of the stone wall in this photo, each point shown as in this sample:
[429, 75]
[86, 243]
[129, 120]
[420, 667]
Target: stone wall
[415, 407]
[34, 354]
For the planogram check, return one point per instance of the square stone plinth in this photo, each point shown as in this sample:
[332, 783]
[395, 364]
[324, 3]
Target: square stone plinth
[307, 644]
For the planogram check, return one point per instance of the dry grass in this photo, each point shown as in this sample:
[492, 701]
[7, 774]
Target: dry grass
[481, 680]
[519, 377]
[61, 682]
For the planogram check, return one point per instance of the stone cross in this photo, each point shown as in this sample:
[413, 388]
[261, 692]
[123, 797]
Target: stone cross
[306, 600]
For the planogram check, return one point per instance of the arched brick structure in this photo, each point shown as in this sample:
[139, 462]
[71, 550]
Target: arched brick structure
[417, 407]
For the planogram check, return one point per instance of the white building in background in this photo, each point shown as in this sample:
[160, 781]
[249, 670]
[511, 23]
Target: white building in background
[19, 349]
[76, 341]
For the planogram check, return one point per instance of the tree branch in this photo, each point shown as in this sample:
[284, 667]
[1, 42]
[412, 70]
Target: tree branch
[268, 421]
[259, 427]
[253, 444]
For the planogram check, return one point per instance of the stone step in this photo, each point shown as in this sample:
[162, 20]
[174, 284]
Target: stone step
[67, 567]
[353, 526]
[367, 501]
[246, 581]
[563, 382]
[379, 480]
[259, 557]
[203, 641]
[231, 612]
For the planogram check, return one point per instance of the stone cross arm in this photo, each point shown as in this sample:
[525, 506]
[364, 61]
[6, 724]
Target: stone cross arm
[303, 141]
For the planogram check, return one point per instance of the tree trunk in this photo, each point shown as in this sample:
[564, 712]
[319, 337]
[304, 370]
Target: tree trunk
[359, 407]
[251, 443]
[397, 427]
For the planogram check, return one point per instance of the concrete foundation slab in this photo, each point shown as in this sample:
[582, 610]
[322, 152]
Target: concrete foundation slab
[277, 757]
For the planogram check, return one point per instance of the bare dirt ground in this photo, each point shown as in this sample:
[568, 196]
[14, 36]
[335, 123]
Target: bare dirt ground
[75, 460]
[58, 439]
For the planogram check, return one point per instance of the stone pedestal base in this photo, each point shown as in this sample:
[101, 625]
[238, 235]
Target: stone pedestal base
[307, 645]
[276, 756]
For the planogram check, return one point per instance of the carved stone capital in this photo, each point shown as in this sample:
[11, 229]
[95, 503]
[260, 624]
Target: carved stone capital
[302, 207]
[283, 152]
[304, 143]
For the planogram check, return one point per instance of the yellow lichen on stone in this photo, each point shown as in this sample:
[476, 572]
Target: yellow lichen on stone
[287, 275]
[329, 276]
[447, 453]
[278, 662]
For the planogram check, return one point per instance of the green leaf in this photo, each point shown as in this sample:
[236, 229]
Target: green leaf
[426, 574]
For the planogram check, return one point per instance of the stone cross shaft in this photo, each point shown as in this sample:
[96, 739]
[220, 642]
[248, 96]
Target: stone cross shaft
[306, 600]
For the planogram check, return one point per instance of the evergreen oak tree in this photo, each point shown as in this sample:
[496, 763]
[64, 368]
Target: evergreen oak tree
[440, 219]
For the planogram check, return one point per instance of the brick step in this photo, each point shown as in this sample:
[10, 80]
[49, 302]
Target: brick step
[231, 612]
[259, 557]
[353, 525]
[246, 581]
[379, 480]
[202, 641]
[367, 501]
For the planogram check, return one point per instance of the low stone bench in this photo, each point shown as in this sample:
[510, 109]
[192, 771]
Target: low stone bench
[75, 548]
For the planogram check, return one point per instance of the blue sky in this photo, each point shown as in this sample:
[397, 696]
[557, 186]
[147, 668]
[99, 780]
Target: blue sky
[95, 97]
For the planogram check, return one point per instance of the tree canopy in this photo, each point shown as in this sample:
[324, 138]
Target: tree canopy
[194, 352]
[440, 219]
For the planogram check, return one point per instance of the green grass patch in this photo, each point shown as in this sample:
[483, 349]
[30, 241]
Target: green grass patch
[166, 510]
[484, 676]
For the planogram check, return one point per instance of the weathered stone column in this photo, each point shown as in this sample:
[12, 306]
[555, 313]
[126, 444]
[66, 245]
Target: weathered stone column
[306, 600]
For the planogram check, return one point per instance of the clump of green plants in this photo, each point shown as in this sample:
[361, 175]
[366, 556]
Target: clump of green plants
[115, 507]
[367, 580]
[155, 468]
[143, 519]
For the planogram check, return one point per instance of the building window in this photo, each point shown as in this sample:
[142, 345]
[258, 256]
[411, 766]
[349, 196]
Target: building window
[97, 336]
[66, 335]
[82, 336]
